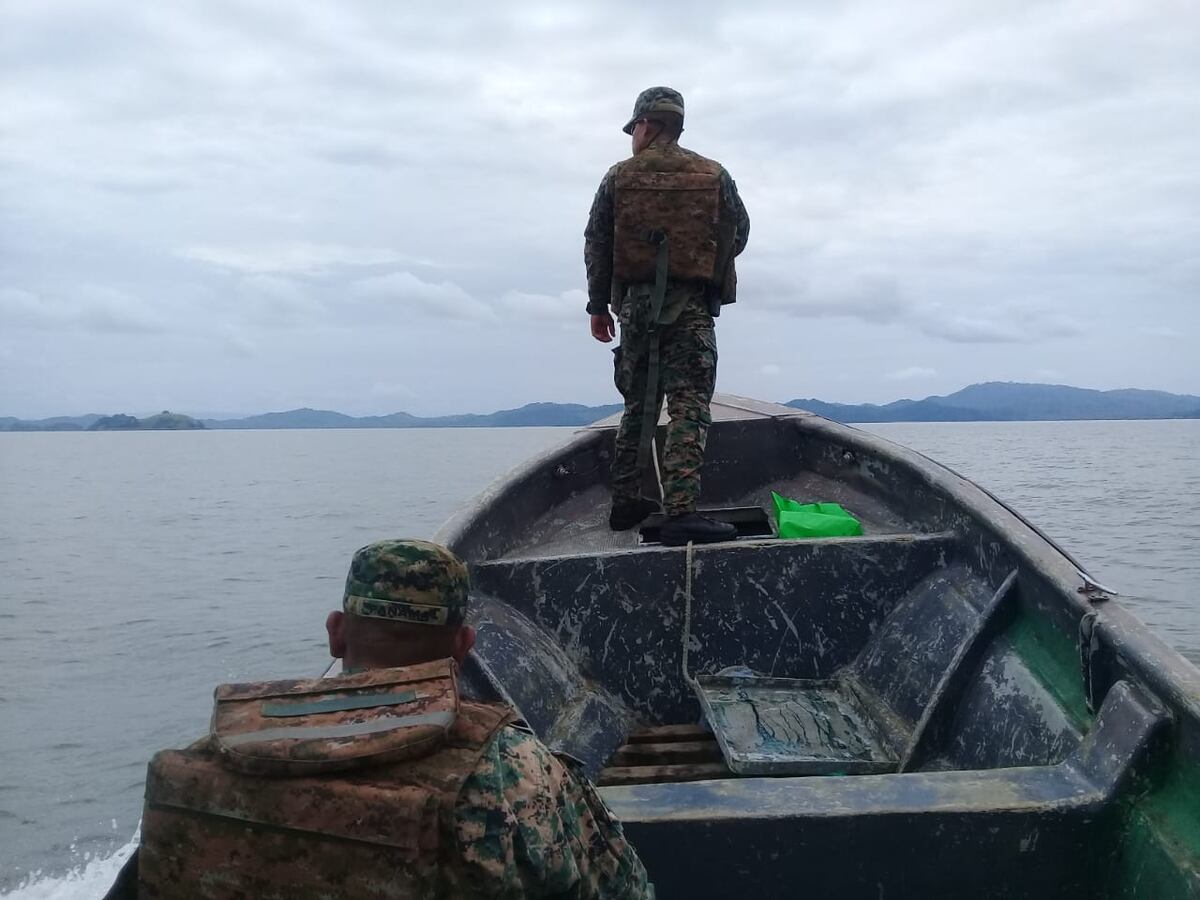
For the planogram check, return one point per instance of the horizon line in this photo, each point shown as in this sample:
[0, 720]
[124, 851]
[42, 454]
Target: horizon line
[240, 416]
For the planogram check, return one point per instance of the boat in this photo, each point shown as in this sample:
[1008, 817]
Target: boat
[948, 705]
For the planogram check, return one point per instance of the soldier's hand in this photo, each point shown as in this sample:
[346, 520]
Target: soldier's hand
[603, 327]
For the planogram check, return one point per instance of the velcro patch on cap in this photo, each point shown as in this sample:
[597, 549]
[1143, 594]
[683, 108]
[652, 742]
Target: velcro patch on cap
[396, 610]
[665, 106]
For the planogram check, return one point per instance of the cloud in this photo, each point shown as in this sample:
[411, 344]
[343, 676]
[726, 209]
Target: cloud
[1159, 331]
[401, 294]
[567, 306]
[966, 328]
[88, 308]
[361, 153]
[136, 183]
[869, 299]
[298, 258]
[278, 302]
[961, 183]
[879, 300]
[393, 391]
[1011, 324]
[770, 370]
[237, 343]
[911, 373]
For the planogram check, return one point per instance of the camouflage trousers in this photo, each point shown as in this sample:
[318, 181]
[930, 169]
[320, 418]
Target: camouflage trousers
[687, 376]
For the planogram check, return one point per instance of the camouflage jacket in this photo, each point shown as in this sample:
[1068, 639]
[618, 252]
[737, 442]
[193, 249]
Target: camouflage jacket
[598, 235]
[528, 826]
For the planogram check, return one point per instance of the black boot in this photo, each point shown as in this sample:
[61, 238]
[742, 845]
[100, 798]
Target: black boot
[678, 530]
[629, 515]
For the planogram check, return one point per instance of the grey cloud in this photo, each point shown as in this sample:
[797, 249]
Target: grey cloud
[1159, 331]
[236, 343]
[911, 373]
[878, 300]
[970, 329]
[297, 257]
[369, 154]
[875, 300]
[262, 180]
[391, 391]
[1012, 324]
[277, 302]
[564, 307]
[88, 308]
[130, 183]
[399, 294]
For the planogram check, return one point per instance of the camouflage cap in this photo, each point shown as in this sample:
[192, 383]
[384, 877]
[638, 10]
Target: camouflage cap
[655, 99]
[407, 581]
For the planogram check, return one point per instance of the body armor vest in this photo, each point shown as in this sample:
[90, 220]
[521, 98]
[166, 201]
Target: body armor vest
[211, 831]
[667, 191]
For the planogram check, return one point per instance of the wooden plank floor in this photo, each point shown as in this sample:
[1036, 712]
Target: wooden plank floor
[666, 753]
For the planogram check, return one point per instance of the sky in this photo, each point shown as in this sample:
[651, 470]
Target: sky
[226, 208]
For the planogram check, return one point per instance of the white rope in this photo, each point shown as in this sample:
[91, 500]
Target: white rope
[687, 614]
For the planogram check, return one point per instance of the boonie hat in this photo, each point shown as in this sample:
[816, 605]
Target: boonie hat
[407, 581]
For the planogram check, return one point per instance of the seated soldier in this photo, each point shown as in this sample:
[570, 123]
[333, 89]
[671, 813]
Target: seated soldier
[525, 825]
[485, 810]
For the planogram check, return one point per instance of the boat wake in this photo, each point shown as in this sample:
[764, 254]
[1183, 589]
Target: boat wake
[90, 879]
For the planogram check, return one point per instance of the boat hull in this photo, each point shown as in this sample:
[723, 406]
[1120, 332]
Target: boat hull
[1035, 740]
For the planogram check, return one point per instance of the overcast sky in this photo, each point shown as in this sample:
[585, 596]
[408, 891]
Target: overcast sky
[219, 207]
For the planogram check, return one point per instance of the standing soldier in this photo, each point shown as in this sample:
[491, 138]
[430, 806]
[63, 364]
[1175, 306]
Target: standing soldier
[659, 245]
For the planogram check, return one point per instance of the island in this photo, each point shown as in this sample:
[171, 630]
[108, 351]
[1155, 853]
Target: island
[163, 421]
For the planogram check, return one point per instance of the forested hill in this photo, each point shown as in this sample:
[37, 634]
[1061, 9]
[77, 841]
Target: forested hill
[163, 421]
[1003, 401]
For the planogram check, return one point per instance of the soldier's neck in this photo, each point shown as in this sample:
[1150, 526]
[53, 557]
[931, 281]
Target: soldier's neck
[661, 143]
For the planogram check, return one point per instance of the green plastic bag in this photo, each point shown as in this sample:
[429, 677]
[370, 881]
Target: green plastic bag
[810, 520]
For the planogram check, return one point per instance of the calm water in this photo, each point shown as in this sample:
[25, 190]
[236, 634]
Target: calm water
[139, 570]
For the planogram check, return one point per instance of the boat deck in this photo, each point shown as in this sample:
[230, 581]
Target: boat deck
[579, 526]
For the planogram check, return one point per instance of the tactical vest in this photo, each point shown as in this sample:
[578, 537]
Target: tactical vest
[672, 191]
[326, 811]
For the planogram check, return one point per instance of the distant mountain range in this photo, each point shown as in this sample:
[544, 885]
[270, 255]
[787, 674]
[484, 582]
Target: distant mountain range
[993, 401]
[1004, 401]
[531, 414]
[544, 414]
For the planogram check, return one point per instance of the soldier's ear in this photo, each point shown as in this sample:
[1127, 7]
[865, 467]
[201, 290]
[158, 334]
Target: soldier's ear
[335, 626]
[464, 640]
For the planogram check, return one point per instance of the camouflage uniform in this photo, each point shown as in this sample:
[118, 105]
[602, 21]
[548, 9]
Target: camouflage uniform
[526, 824]
[490, 813]
[687, 342]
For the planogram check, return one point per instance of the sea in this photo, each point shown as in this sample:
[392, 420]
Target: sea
[140, 569]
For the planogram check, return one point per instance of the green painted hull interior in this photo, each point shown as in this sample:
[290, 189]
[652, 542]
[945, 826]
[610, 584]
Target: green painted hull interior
[1158, 834]
[1053, 659]
[1155, 832]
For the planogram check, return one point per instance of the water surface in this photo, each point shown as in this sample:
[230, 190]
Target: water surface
[140, 569]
